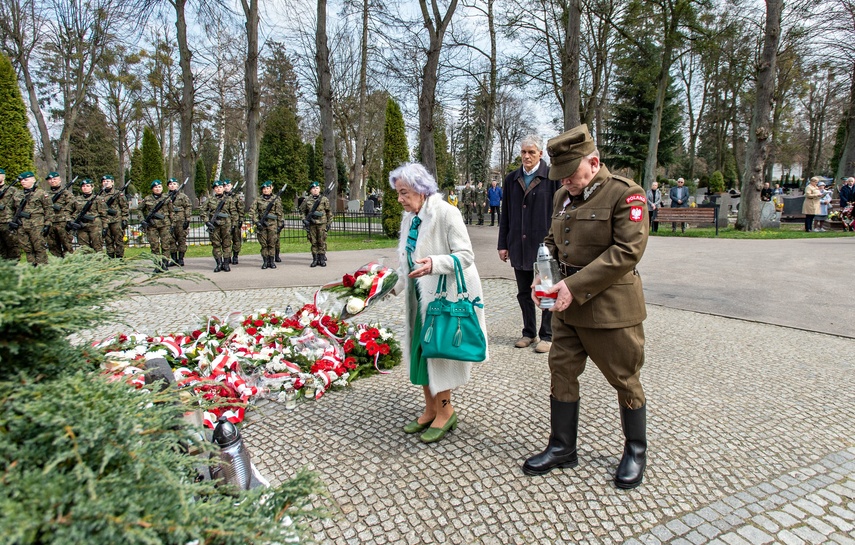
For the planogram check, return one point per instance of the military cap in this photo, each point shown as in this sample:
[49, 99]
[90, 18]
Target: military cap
[86, 181]
[266, 183]
[2, 171]
[25, 175]
[567, 151]
[217, 183]
[171, 180]
[226, 181]
[314, 184]
[53, 174]
[156, 182]
[107, 177]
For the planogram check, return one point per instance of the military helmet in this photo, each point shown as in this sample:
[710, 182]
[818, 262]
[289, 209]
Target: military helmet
[266, 183]
[156, 182]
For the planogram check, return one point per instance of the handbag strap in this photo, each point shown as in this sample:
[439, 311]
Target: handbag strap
[458, 274]
[440, 287]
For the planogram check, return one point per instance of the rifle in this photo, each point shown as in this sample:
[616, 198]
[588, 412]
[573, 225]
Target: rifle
[81, 217]
[262, 223]
[177, 191]
[59, 193]
[214, 222]
[154, 213]
[8, 187]
[19, 213]
[306, 221]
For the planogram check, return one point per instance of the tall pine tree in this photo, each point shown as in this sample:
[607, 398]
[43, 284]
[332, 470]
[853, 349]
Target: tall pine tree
[282, 155]
[395, 152]
[151, 167]
[91, 144]
[200, 182]
[16, 142]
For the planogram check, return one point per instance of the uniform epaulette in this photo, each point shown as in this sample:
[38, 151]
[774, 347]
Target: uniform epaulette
[628, 181]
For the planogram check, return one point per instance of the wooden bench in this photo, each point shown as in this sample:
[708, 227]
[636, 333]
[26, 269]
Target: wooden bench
[701, 214]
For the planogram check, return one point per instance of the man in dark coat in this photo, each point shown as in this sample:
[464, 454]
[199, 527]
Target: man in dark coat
[523, 223]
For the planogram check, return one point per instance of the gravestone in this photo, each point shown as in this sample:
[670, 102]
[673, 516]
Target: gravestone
[769, 218]
[353, 206]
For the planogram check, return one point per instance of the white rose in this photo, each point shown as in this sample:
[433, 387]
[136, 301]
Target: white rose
[364, 282]
[354, 305]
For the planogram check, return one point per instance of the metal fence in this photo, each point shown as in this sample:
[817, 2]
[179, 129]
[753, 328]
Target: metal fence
[357, 225]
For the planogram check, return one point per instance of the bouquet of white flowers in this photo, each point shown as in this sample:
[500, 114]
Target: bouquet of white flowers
[355, 292]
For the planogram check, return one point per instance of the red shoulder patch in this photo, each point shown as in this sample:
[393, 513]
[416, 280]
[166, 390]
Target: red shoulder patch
[633, 198]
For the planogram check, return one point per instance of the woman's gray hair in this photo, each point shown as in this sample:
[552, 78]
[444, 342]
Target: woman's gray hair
[416, 176]
[532, 140]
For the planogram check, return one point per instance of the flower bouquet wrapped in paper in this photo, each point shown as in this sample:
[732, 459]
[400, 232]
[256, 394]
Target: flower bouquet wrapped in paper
[355, 292]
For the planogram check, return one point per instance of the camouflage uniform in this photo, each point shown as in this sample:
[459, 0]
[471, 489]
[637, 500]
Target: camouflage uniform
[238, 215]
[219, 228]
[182, 211]
[157, 230]
[9, 248]
[317, 227]
[479, 201]
[118, 214]
[32, 211]
[89, 232]
[60, 241]
[468, 199]
[267, 225]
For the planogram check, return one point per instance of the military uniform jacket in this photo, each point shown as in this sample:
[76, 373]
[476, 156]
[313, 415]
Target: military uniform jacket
[118, 209]
[322, 215]
[64, 208]
[35, 212]
[467, 195]
[163, 216]
[605, 234]
[182, 209]
[274, 217]
[8, 203]
[479, 195]
[238, 207]
[225, 213]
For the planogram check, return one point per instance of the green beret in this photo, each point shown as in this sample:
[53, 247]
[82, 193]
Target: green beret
[314, 184]
[567, 150]
[156, 182]
[25, 175]
[85, 181]
[171, 180]
[226, 181]
[2, 171]
[53, 174]
[107, 177]
[266, 183]
[217, 183]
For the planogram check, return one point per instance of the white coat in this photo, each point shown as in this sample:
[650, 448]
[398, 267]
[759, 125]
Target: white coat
[441, 233]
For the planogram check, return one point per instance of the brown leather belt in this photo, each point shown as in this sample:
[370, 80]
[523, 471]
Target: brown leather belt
[568, 270]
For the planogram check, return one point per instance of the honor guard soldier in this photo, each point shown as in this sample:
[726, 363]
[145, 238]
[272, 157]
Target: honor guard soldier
[266, 214]
[31, 220]
[317, 215]
[217, 213]
[598, 235]
[182, 210]
[238, 214]
[9, 248]
[63, 206]
[479, 196]
[468, 200]
[90, 224]
[118, 214]
[156, 210]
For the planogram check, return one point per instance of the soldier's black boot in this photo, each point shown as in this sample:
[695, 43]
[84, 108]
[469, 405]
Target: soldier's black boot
[270, 262]
[234, 259]
[219, 266]
[314, 260]
[630, 470]
[322, 260]
[226, 267]
[174, 257]
[561, 449]
[264, 262]
[181, 258]
[277, 259]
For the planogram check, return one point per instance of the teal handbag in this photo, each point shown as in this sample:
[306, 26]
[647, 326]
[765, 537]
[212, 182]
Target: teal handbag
[451, 329]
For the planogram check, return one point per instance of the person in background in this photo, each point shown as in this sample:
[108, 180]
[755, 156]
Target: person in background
[60, 241]
[654, 203]
[267, 222]
[431, 232]
[9, 248]
[157, 229]
[479, 194]
[317, 212]
[89, 231]
[33, 224]
[468, 198]
[238, 213]
[811, 208]
[847, 196]
[452, 197]
[494, 197]
[824, 208]
[182, 211]
[679, 199]
[766, 192]
[116, 218]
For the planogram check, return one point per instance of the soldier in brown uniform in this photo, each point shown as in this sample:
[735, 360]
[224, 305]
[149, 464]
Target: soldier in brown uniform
[317, 217]
[156, 210]
[598, 235]
[8, 239]
[63, 206]
[266, 214]
[217, 213]
[91, 214]
[116, 220]
[182, 210]
[238, 214]
[30, 220]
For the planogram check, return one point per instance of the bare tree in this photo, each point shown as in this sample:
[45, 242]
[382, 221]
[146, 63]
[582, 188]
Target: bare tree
[120, 88]
[322, 62]
[511, 125]
[253, 100]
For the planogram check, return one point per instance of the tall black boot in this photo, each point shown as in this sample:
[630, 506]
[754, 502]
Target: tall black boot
[630, 470]
[181, 258]
[265, 262]
[174, 257]
[322, 260]
[219, 266]
[561, 450]
[276, 258]
[270, 262]
[226, 267]
[314, 260]
[234, 259]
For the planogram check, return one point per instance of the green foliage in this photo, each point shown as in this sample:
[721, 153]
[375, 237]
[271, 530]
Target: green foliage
[716, 182]
[200, 180]
[309, 151]
[16, 142]
[513, 165]
[839, 144]
[136, 169]
[395, 152]
[91, 144]
[152, 162]
[444, 164]
[281, 156]
[318, 160]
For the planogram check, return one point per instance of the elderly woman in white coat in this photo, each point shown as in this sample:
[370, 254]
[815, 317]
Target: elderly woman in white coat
[431, 230]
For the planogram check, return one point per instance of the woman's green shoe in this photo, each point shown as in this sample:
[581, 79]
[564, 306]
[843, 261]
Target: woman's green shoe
[433, 435]
[415, 427]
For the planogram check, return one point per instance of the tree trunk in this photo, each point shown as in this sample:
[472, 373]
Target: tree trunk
[322, 61]
[356, 182]
[570, 66]
[758, 145]
[491, 96]
[847, 158]
[652, 160]
[47, 149]
[187, 103]
[253, 101]
[436, 26]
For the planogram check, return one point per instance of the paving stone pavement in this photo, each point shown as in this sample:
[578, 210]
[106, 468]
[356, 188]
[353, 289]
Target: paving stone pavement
[750, 431]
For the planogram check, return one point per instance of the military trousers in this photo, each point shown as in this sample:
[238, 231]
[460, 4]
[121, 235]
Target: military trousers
[267, 237]
[221, 241]
[60, 241]
[159, 239]
[115, 239]
[90, 236]
[479, 210]
[317, 236]
[618, 353]
[468, 210]
[237, 237]
[32, 243]
[9, 247]
[179, 237]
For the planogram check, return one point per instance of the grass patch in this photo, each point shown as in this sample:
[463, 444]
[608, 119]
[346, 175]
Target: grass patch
[254, 248]
[787, 231]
